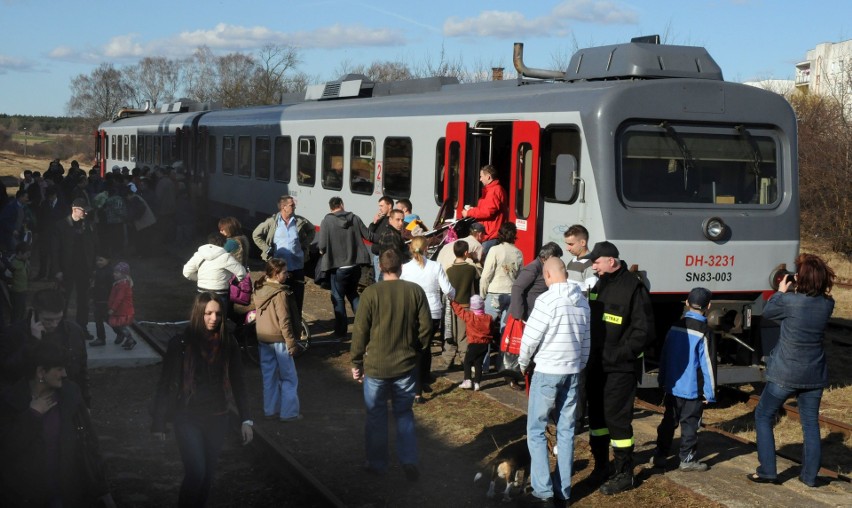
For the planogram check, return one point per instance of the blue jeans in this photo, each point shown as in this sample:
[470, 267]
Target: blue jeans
[344, 286]
[280, 382]
[497, 306]
[771, 400]
[551, 395]
[199, 439]
[400, 390]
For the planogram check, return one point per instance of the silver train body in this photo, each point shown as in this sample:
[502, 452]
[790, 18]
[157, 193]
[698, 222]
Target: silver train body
[694, 179]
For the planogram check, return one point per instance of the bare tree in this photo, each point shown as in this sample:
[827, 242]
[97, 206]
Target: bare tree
[233, 89]
[443, 66]
[98, 96]
[153, 79]
[269, 80]
[200, 75]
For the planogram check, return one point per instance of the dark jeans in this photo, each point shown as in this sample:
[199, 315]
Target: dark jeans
[687, 413]
[101, 315]
[296, 282]
[344, 286]
[473, 358]
[771, 400]
[199, 440]
[78, 283]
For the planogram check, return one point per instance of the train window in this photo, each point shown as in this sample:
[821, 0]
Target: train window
[119, 148]
[558, 140]
[244, 156]
[397, 167]
[228, 155]
[211, 154]
[283, 152]
[174, 149]
[689, 165]
[125, 150]
[112, 147]
[362, 165]
[332, 162]
[140, 149]
[306, 169]
[439, 170]
[262, 157]
[455, 158]
[166, 154]
[524, 182]
[156, 151]
[133, 148]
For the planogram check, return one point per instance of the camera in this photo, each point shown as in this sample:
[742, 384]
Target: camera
[782, 274]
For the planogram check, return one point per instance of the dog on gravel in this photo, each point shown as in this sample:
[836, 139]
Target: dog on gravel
[511, 464]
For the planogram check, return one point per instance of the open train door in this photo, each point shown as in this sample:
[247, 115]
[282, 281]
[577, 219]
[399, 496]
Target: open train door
[454, 166]
[524, 206]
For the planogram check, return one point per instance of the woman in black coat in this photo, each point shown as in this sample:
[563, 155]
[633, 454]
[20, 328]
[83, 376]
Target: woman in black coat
[50, 453]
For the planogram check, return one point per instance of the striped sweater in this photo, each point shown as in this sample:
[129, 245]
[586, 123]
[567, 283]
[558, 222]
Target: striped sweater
[557, 334]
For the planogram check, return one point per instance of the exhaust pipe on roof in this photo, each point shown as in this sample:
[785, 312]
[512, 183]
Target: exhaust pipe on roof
[523, 70]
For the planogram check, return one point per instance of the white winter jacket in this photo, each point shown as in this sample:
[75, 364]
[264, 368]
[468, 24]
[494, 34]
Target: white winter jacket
[213, 268]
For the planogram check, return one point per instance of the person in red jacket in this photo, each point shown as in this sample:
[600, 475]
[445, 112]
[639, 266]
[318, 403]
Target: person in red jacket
[480, 331]
[121, 305]
[492, 209]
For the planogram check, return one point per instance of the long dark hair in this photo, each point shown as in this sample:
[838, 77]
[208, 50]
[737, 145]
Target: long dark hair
[813, 276]
[197, 331]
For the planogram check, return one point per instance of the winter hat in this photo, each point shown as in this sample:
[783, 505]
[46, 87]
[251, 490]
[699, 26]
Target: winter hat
[122, 268]
[477, 304]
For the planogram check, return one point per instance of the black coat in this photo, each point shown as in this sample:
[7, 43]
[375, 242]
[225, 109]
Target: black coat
[76, 246]
[22, 446]
[16, 340]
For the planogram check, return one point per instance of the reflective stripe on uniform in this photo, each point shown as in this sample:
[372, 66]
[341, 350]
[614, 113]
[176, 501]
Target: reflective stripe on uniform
[621, 443]
[611, 318]
[599, 432]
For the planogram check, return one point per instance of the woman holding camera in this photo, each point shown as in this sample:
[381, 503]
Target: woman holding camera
[797, 365]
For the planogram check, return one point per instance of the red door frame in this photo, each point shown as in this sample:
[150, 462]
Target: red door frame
[456, 132]
[525, 132]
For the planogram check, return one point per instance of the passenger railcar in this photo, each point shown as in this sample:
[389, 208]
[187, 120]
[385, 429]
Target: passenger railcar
[692, 177]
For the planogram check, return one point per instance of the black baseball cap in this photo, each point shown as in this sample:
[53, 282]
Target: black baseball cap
[602, 249]
[81, 203]
[699, 298]
[477, 227]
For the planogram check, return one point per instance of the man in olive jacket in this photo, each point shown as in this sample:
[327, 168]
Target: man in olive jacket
[392, 327]
[287, 236]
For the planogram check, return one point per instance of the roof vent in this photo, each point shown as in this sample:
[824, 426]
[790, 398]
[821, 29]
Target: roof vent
[349, 86]
[642, 60]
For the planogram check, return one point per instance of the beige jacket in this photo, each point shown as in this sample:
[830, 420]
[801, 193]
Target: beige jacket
[278, 318]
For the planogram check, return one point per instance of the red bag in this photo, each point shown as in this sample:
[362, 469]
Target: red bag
[511, 340]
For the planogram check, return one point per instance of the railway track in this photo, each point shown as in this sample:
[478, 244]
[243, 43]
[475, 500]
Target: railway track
[791, 411]
[268, 446]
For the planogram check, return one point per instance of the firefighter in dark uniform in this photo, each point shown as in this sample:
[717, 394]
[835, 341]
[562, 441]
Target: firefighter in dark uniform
[622, 323]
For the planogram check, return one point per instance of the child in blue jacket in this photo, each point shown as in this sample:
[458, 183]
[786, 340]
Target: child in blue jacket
[685, 352]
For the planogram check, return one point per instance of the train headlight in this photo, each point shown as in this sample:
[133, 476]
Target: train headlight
[714, 229]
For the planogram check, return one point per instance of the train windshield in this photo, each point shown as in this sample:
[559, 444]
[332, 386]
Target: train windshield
[692, 165]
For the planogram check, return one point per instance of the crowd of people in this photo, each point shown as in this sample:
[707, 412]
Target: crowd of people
[583, 327]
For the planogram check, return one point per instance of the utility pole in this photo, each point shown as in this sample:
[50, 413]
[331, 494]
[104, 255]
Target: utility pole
[25, 141]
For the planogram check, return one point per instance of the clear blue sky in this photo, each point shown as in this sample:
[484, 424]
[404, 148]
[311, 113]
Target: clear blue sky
[44, 44]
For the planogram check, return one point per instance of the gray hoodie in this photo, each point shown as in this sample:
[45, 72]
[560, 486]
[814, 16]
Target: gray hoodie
[341, 239]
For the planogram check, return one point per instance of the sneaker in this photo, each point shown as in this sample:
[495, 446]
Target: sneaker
[476, 387]
[693, 465]
[97, 342]
[129, 344]
[622, 482]
[466, 385]
[291, 419]
[658, 462]
[118, 339]
[599, 475]
[412, 474]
